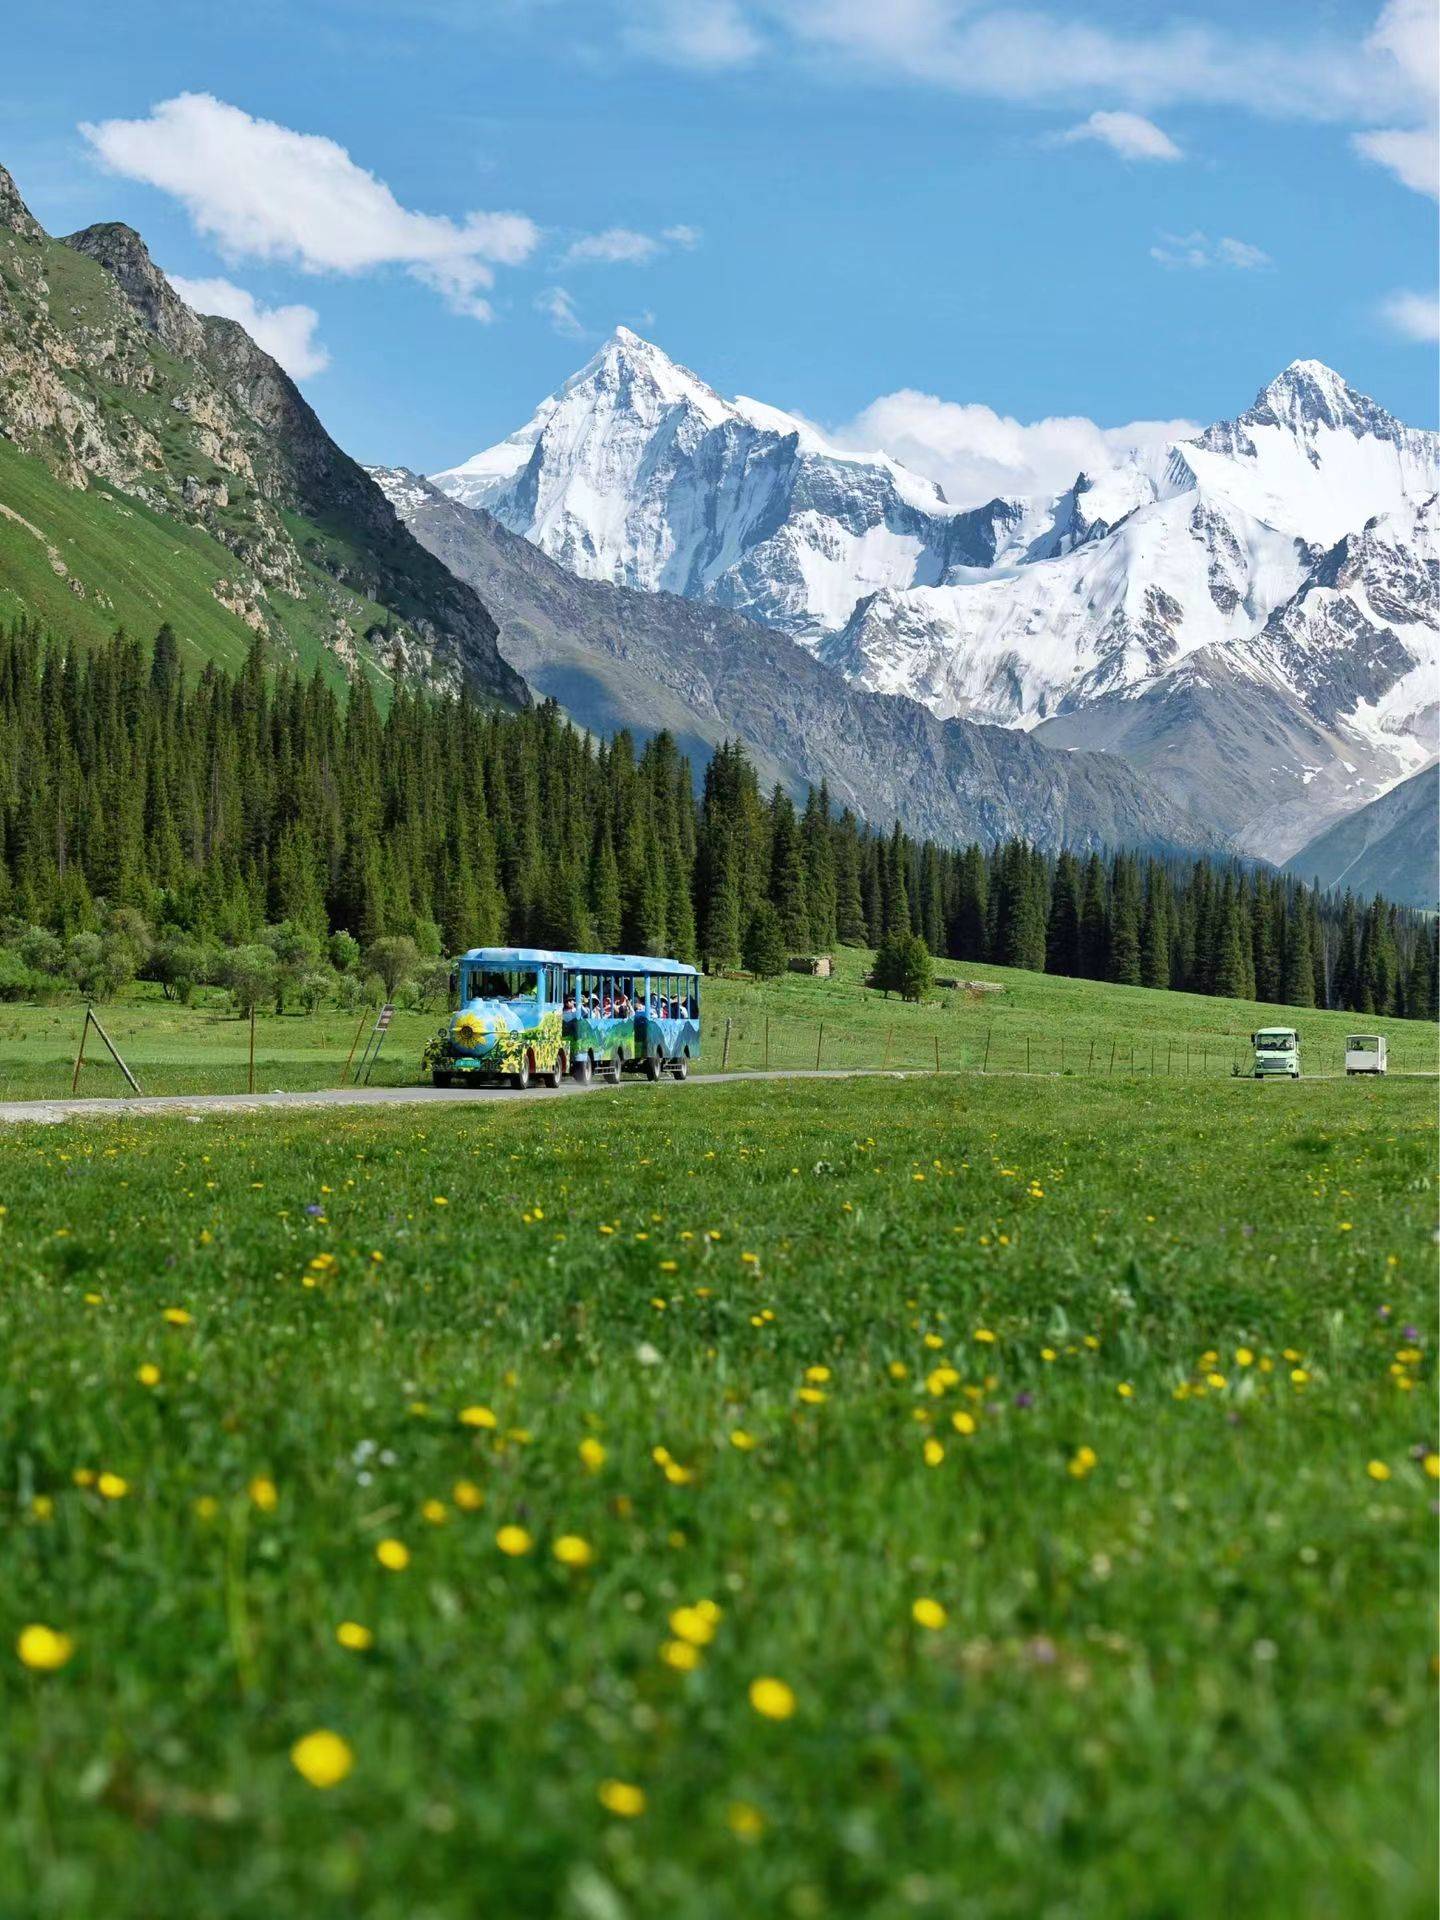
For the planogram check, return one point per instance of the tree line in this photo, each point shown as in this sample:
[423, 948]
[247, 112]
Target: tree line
[220, 807]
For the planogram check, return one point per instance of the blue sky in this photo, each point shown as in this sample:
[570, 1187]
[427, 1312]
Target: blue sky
[998, 214]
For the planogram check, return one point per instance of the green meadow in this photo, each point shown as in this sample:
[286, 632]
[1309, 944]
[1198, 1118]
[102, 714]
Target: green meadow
[1036, 1023]
[983, 1496]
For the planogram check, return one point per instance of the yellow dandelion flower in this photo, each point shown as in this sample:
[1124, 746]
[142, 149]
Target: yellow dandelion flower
[42, 1507]
[963, 1422]
[1432, 1465]
[898, 1370]
[1299, 1376]
[680, 1655]
[695, 1624]
[351, 1634]
[812, 1396]
[111, 1486]
[622, 1798]
[592, 1454]
[177, 1316]
[772, 1698]
[264, 1493]
[393, 1555]
[817, 1376]
[1244, 1357]
[513, 1541]
[434, 1512]
[742, 1441]
[572, 1551]
[677, 1475]
[929, 1614]
[1378, 1470]
[148, 1374]
[478, 1417]
[941, 1380]
[1084, 1460]
[322, 1758]
[1125, 1390]
[1047, 1354]
[467, 1496]
[745, 1821]
[43, 1648]
[934, 1453]
[985, 1336]
[206, 1507]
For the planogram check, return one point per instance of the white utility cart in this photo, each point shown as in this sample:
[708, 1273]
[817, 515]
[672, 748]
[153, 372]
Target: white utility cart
[1365, 1053]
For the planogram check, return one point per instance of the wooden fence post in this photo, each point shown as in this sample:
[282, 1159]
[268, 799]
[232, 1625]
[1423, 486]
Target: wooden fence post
[114, 1051]
[1091, 1067]
[251, 1087]
[80, 1056]
[1027, 1053]
[356, 1041]
[1114, 1043]
[725, 1050]
[819, 1042]
[767, 1043]
[984, 1064]
[937, 1053]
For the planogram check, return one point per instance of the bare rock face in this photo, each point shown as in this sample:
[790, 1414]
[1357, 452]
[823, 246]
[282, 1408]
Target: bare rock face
[108, 377]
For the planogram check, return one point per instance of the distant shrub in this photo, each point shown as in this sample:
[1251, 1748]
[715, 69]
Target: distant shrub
[19, 982]
[248, 975]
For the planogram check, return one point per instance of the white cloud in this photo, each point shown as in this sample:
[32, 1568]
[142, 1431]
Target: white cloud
[976, 453]
[261, 191]
[1407, 35]
[1130, 135]
[1198, 250]
[614, 244]
[559, 308]
[1414, 315]
[692, 33]
[624, 245]
[1014, 52]
[286, 333]
[1412, 155]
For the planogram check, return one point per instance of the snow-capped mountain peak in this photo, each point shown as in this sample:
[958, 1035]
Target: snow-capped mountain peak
[638, 472]
[1307, 394]
[1277, 555]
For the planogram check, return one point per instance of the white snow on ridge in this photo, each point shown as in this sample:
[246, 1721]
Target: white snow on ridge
[1293, 541]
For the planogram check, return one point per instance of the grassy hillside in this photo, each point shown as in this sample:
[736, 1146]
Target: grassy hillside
[1078, 1027]
[984, 1497]
[157, 464]
[83, 563]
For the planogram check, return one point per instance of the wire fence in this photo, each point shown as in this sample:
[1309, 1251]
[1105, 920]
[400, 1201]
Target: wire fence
[756, 1043]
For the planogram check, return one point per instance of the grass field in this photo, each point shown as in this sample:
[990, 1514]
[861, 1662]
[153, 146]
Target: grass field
[1038, 1023]
[970, 1496]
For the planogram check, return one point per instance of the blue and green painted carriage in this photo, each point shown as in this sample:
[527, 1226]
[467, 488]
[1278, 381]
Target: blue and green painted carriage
[530, 1013]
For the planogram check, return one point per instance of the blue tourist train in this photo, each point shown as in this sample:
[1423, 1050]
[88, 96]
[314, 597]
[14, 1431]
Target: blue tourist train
[530, 1013]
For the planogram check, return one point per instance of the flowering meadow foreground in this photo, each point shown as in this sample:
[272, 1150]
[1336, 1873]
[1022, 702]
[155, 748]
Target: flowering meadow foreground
[985, 1498]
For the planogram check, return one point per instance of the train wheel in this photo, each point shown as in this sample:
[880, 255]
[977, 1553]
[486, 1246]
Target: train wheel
[582, 1068]
[654, 1065]
[681, 1069]
[521, 1080]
